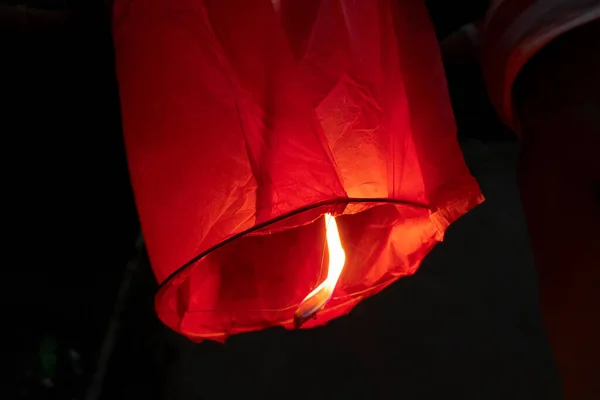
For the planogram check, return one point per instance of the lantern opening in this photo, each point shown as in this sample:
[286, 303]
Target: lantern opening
[320, 296]
[261, 278]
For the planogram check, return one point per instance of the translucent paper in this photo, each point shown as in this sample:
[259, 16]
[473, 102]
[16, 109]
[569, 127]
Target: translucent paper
[246, 121]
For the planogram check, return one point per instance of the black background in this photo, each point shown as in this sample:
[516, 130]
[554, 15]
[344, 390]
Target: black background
[465, 326]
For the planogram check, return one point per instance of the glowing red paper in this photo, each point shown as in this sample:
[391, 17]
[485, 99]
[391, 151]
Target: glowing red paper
[246, 121]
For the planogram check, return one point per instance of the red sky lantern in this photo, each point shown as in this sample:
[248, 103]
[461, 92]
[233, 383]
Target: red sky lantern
[289, 158]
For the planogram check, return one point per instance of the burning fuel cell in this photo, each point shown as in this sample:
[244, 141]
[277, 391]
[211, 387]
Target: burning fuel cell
[318, 298]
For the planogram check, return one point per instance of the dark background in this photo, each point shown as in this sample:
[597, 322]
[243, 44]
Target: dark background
[465, 326]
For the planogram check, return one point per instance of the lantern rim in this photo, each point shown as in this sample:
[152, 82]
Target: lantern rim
[263, 225]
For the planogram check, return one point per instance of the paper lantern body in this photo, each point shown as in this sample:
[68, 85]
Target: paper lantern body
[247, 120]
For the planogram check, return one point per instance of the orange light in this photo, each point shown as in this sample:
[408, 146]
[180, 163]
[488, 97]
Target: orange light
[318, 298]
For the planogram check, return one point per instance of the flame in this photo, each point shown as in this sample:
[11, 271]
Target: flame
[318, 298]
